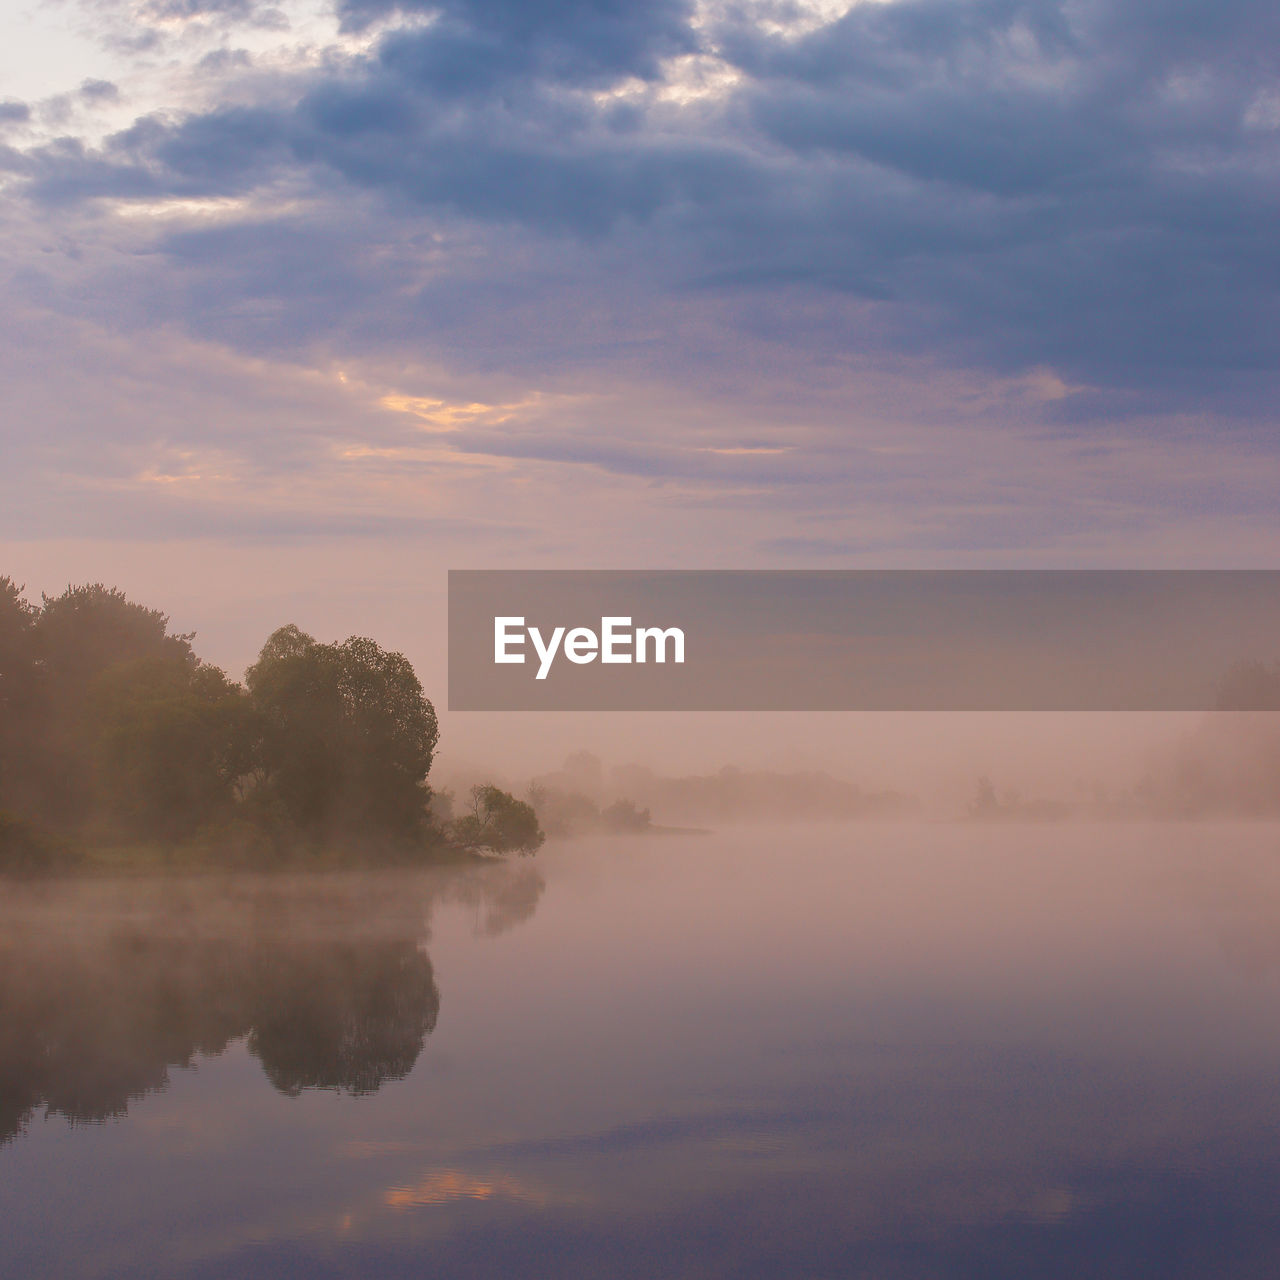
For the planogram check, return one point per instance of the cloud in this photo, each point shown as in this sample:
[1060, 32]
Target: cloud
[1018, 182]
[473, 44]
[987, 230]
[99, 91]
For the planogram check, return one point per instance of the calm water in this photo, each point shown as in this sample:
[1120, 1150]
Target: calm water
[916, 1051]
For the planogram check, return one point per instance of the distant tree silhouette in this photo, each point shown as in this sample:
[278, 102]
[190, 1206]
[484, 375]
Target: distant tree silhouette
[625, 815]
[984, 803]
[1250, 686]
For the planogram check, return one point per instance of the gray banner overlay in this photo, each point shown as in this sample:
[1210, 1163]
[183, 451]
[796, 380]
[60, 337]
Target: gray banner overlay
[922, 640]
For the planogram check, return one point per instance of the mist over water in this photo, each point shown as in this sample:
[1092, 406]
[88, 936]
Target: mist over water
[900, 1049]
[741, 768]
[107, 987]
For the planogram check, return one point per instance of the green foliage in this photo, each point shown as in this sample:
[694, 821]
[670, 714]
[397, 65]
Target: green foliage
[27, 851]
[174, 739]
[88, 629]
[112, 730]
[20, 690]
[73, 640]
[347, 736]
[499, 822]
[17, 643]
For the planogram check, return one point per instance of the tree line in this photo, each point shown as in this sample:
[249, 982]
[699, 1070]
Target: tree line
[112, 729]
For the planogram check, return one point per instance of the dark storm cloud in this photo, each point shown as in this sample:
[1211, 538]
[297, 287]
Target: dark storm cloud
[474, 44]
[1089, 185]
[1104, 151]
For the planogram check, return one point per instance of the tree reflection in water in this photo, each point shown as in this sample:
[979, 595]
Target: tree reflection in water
[342, 1016]
[104, 989]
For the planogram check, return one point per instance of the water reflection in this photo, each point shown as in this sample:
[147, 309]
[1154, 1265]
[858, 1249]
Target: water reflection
[105, 989]
[928, 1053]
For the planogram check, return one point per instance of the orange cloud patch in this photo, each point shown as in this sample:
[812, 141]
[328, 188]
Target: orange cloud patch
[442, 415]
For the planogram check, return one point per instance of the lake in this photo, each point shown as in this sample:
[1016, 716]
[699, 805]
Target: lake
[891, 1050]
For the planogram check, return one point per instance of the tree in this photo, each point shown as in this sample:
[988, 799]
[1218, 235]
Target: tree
[626, 815]
[81, 635]
[109, 721]
[347, 735]
[88, 629]
[20, 693]
[984, 803]
[563, 813]
[1250, 686]
[17, 644]
[174, 739]
[27, 851]
[498, 821]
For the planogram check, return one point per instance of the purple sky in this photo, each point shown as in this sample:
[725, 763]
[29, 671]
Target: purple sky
[303, 307]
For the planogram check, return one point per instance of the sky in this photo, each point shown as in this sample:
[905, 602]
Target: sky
[304, 305]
